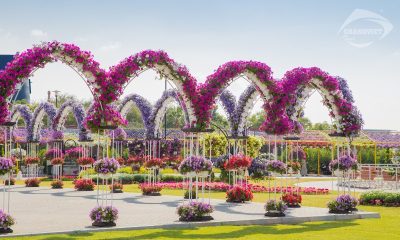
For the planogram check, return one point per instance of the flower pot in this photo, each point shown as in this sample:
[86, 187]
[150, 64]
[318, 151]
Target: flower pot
[274, 214]
[117, 191]
[197, 219]
[5, 230]
[191, 174]
[203, 174]
[104, 224]
[152, 194]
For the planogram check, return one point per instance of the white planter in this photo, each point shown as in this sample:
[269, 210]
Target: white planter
[5, 176]
[203, 174]
[191, 174]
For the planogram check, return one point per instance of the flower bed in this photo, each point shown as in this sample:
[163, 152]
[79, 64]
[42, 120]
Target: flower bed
[84, 161]
[57, 161]
[32, 160]
[292, 199]
[103, 216]
[195, 164]
[6, 165]
[154, 163]
[239, 194]
[223, 187]
[150, 190]
[276, 166]
[6, 221]
[32, 182]
[238, 161]
[343, 204]
[57, 184]
[84, 185]
[386, 199]
[195, 211]
[275, 208]
[106, 166]
[116, 187]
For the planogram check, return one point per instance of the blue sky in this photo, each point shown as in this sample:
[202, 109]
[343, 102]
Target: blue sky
[205, 34]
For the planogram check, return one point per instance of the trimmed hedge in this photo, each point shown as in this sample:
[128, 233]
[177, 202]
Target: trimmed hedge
[380, 198]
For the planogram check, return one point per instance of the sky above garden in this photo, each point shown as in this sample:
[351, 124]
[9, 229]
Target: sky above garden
[357, 40]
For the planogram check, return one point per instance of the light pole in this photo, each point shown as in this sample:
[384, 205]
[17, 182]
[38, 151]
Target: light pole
[56, 92]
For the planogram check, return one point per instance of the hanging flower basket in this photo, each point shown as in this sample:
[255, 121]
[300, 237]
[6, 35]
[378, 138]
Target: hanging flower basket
[195, 165]
[103, 216]
[6, 166]
[154, 163]
[345, 163]
[275, 208]
[6, 221]
[54, 152]
[195, 211]
[85, 161]
[57, 161]
[276, 166]
[238, 162]
[106, 166]
[32, 160]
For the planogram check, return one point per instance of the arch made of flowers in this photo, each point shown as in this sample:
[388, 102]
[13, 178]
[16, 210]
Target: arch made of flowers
[131, 67]
[259, 74]
[157, 114]
[21, 111]
[299, 83]
[69, 106]
[26, 63]
[36, 123]
[141, 103]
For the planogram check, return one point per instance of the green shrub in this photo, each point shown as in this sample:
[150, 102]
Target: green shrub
[380, 198]
[127, 170]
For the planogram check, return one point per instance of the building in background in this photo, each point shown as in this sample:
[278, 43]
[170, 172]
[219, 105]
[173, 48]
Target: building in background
[24, 89]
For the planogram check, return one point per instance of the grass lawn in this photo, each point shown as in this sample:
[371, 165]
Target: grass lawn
[388, 227]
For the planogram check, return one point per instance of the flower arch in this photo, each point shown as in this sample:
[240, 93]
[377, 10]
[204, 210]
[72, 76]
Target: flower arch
[143, 105]
[258, 73]
[38, 114]
[159, 108]
[26, 63]
[298, 85]
[133, 66]
[70, 106]
[21, 111]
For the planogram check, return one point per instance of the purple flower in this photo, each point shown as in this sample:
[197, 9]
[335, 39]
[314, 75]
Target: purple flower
[195, 164]
[276, 166]
[103, 214]
[106, 166]
[344, 163]
[118, 134]
[6, 165]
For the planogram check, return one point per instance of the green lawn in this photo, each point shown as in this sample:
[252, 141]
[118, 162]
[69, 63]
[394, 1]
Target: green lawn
[388, 227]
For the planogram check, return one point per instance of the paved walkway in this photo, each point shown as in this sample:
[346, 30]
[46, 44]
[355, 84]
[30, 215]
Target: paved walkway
[332, 185]
[44, 210]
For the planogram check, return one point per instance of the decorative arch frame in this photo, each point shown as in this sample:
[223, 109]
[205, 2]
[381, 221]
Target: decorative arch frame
[38, 114]
[298, 83]
[69, 106]
[160, 107]
[143, 105]
[21, 111]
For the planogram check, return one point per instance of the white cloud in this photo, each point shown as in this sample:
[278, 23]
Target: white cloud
[38, 33]
[110, 47]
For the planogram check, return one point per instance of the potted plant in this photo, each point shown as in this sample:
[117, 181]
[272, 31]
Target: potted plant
[239, 194]
[116, 187]
[32, 182]
[106, 166]
[292, 200]
[275, 208]
[6, 166]
[195, 165]
[344, 163]
[84, 184]
[154, 163]
[57, 161]
[6, 221]
[276, 166]
[103, 216]
[32, 160]
[57, 184]
[238, 162]
[343, 204]
[85, 161]
[150, 190]
[195, 211]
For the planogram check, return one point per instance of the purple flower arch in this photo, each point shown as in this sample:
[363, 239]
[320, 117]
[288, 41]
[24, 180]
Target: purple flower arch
[297, 85]
[79, 114]
[159, 108]
[22, 111]
[143, 105]
[38, 114]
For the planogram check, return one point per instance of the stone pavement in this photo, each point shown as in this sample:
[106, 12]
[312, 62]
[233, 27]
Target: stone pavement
[44, 210]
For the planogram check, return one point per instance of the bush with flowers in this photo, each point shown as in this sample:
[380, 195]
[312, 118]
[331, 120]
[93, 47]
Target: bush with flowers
[154, 163]
[379, 198]
[32, 160]
[85, 161]
[150, 189]
[195, 211]
[343, 204]
[292, 199]
[84, 184]
[195, 164]
[103, 216]
[57, 161]
[32, 182]
[52, 153]
[6, 165]
[106, 166]
[275, 208]
[6, 221]
[276, 166]
[239, 194]
[116, 187]
[57, 184]
[237, 162]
